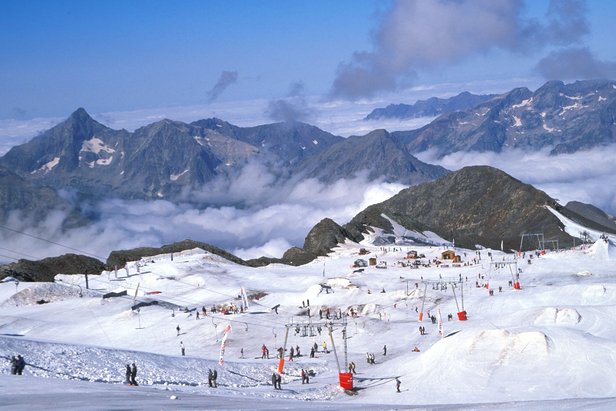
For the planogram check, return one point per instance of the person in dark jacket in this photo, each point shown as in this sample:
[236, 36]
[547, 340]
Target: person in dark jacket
[133, 375]
[274, 381]
[128, 373]
[21, 364]
[14, 365]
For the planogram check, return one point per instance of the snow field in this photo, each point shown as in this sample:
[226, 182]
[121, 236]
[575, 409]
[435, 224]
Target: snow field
[552, 340]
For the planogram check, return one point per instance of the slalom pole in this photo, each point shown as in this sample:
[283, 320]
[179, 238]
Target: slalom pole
[331, 337]
[423, 301]
[284, 348]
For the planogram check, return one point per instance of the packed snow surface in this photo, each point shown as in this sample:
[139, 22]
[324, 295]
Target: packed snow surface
[549, 345]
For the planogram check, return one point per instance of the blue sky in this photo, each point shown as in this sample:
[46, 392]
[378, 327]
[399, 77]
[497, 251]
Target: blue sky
[127, 55]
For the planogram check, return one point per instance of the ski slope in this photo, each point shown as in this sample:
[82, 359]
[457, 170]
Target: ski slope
[549, 345]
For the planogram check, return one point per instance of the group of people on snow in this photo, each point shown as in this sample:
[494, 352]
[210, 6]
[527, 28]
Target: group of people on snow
[131, 374]
[17, 365]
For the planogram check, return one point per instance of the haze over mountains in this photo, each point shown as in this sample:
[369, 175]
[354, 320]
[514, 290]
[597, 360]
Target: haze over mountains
[240, 186]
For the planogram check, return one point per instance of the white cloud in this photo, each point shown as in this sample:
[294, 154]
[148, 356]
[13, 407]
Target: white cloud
[272, 220]
[416, 35]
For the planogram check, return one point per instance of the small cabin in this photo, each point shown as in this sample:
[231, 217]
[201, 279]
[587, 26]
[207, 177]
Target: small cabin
[372, 261]
[450, 255]
[363, 251]
[411, 255]
[360, 263]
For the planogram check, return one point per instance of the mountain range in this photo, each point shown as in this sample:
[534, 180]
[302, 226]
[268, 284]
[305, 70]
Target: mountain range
[81, 160]
[168, 158]
[563, 118]
[476, 206]
[431, 107]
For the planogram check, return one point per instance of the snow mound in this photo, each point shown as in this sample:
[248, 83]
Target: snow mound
[485, 350]
[558, 316]
[41, 293]
[603, 250]
[340, 282]
[584, 273]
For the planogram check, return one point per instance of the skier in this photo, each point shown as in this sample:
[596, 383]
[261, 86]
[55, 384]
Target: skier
[312, 352]
[325, 347]
[128, 374]
[305, 379]
[297, 354]
[214, 378]
[133, 375]
[385, 350]
[182, 348]
[316, 347]
[210, 378]
[279, 381]
[178, 330]
[397, 384]
[264, 352]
